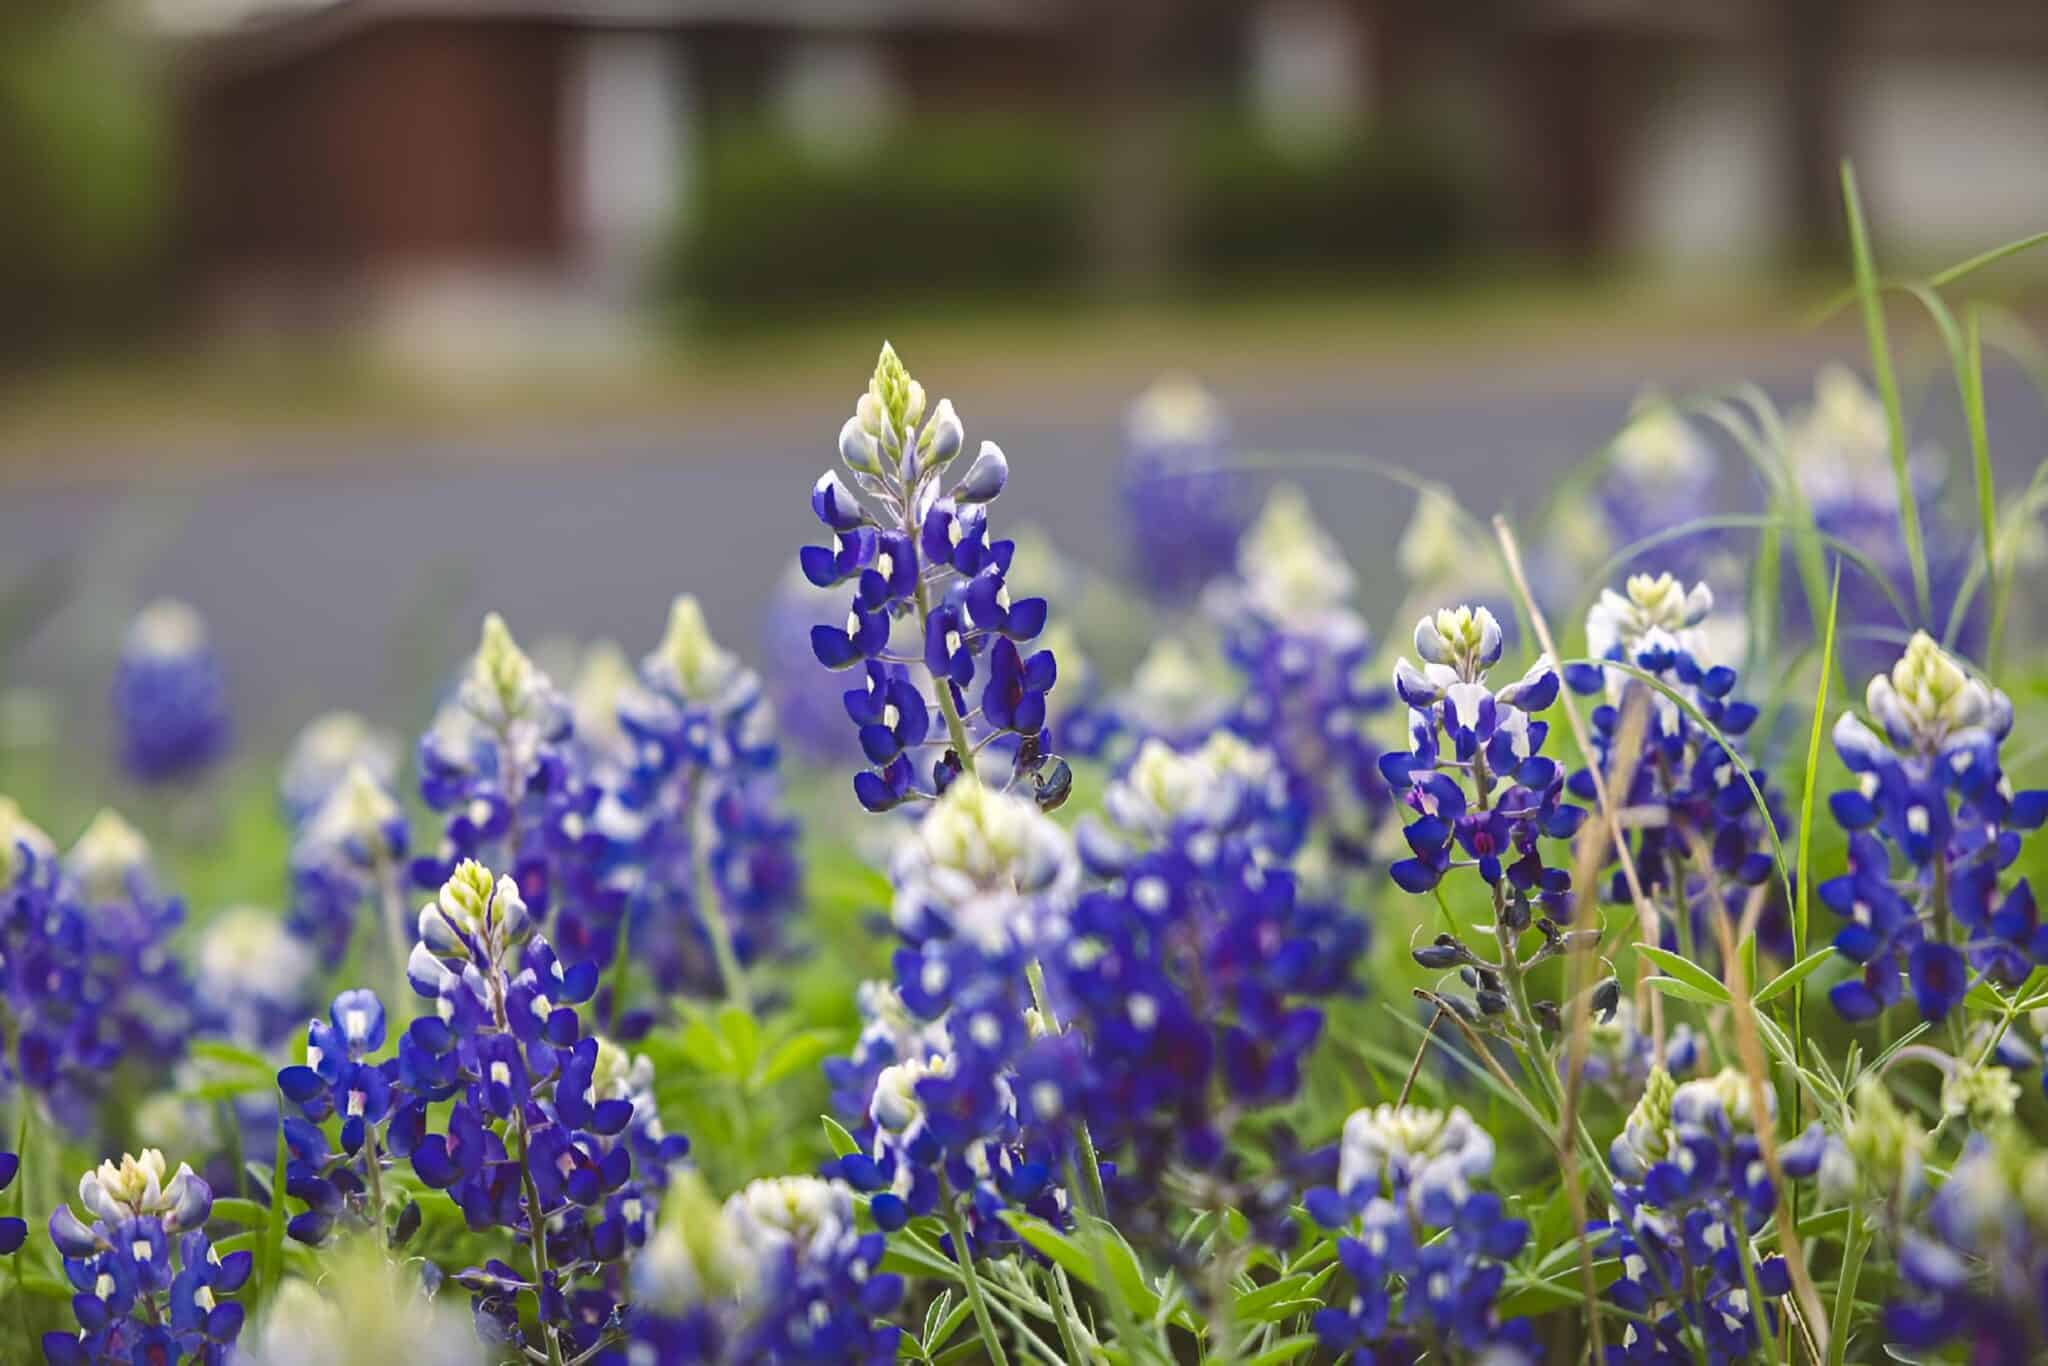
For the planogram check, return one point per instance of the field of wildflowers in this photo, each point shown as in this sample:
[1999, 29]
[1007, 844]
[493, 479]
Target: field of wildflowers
[1632, 960]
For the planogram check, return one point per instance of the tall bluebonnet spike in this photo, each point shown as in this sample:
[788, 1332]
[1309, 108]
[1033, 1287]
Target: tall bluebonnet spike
[708, 849]
[779, 1273]
[1183, 509]
[547, 1137]
[1689, 775]
[1932, 798]
[152, 1287]
[920, 556]
[1300, 647]
[1424, 1250]
[169, 696]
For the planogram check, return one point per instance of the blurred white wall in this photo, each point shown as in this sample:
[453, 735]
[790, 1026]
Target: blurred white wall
[628, 129]
[1699, 181]
[1952, 155]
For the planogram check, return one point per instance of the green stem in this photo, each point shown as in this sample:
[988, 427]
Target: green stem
[957, 1226]
[704, 892]
[1853, 1247]
[1091, 1164]
[536, 1219]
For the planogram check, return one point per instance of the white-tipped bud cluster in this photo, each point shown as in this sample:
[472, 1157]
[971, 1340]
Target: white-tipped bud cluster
[1928, 699]
[110, 859]
[1659, 449]
[1465, 640]
[1422, 1149]
[988, 863]
[472, 919]
[773, 1213]
[1175, 411]
[1164, 787]
[327, 749]
[166, 629]
[688, 663]
[20, 840]
[359, 817]
[1652, 609]
[135, 1187]
[1294, 573]
[504, 686]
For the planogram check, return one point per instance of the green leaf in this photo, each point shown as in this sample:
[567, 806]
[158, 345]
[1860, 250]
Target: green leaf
[1567, 1290]
[1056, 1245]
[215, 1050]
[270, 1257]
[1685, 991]
[247, 1213]
[742, 1034]
[1686, 971]
[1270, 1302]
[1284, 1350]
[795, 1054]
[1794, 975]
[835, 1134]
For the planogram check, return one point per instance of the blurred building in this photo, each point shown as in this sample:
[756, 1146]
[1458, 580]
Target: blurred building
[454, 174]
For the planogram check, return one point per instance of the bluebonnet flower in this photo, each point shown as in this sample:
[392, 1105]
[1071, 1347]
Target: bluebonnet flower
[983, 885]
[778, 1275]
[1686, 793]
[503, 763]
[85, 964]
[1302, 650]
[150, 1285]
[1974, 1267]
[325, 752]
[1197, 970]
[377, 1118]
[13, 1229]
[1691, 1193]
[806, 699]
[1475, 777]
[1839, 450]
[703, 795]
[918, 552]
[537, 1140]
[1932, 797]
[1183, 507]
[1659, 472]
[169, 697]
[251, 975]
[350, 851]
[1425, 1250]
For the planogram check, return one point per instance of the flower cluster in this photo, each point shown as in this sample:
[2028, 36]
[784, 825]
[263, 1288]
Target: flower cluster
[326, 752]
[349, 850]
[1194, 972]
[149, 1281]
[778, 1274]
[1425, 1250]
[85, 969]
[701, 796]
[1691, 1192]
[378, 1117]
[1301, 649]
[1183, 507]
[169, 696]
[919, 553]
[1974, 1265]
[984, 884]
[1492, 739]
[1932, 798]
[1839, 450]
[538, 1138]
[502, 762]
[1698, 837]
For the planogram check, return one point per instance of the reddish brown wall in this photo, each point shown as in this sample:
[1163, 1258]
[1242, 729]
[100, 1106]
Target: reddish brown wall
[408, 141]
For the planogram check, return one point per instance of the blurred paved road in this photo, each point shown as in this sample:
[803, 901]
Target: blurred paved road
[308, 577]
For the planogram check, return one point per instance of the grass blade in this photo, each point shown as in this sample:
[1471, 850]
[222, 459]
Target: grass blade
[1887, 385]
